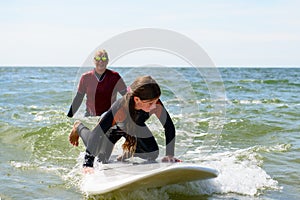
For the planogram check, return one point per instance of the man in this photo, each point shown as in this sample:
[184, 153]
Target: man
[100, 86]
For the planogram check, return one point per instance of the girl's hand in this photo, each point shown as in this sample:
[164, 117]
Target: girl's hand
[170, 159]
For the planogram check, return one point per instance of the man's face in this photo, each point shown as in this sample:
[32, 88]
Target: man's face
[100, 60]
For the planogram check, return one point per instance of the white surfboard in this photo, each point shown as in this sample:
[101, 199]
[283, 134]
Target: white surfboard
[132, 176]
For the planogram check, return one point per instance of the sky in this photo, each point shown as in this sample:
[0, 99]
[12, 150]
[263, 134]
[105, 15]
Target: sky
[255, 33]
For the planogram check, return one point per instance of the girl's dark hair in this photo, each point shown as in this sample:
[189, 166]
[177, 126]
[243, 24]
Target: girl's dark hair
[146, 88]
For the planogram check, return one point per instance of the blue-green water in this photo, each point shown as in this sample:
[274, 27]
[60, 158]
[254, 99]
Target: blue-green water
[255, 145]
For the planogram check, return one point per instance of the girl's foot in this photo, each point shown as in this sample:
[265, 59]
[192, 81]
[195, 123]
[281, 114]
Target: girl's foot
[74, 137]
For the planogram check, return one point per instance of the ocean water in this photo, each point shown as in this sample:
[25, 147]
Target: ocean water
[244, 122]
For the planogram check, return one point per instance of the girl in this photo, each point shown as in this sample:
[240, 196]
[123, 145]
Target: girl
[127, 118]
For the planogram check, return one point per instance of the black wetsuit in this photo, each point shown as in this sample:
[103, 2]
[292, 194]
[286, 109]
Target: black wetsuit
[110, 129]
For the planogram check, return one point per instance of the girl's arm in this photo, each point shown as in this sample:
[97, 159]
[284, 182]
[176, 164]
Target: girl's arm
[168, 125]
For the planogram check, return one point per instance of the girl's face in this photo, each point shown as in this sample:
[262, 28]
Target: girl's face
[145, 105]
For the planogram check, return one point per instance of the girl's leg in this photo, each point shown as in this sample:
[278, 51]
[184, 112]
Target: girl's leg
[97, 143]
[93, 139]
[108, 142]
[84, 133]
[100, 144]
[79, 130]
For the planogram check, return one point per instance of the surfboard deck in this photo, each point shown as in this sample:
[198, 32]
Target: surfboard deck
[133, 176]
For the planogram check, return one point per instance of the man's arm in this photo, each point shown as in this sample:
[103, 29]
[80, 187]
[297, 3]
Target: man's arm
[75, 104]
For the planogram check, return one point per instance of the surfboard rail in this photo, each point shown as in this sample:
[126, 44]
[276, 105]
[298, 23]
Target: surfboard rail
[128, 177]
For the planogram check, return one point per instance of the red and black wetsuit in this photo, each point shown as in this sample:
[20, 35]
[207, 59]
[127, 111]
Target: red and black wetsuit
[101, 92]
[101, 140]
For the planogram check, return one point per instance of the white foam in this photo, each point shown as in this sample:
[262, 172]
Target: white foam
[239, 172]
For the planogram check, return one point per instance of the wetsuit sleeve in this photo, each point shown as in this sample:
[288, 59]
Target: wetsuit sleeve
[169, 127]
[107, 121]
[122, 89]
[75, 104]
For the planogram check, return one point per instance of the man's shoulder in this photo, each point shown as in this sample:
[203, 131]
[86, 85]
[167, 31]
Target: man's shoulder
[112, 73]
[88, 73]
